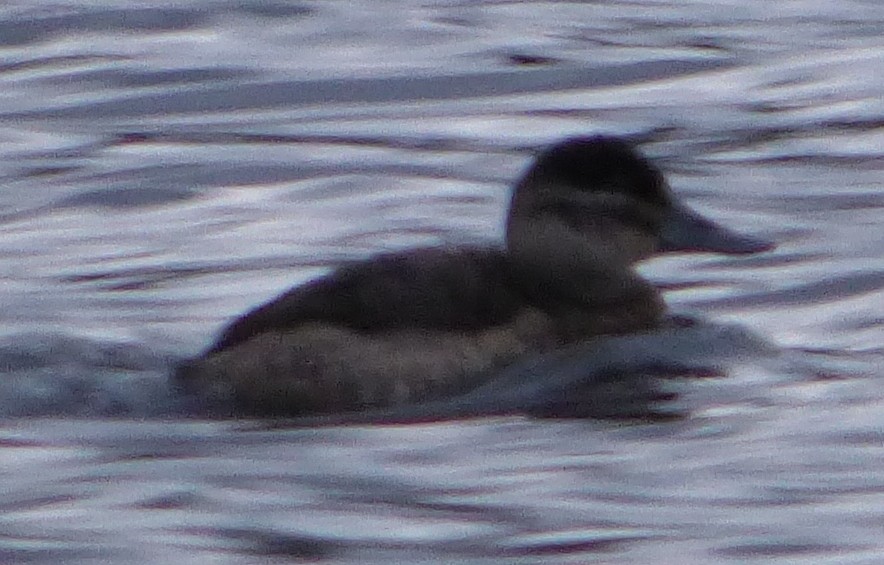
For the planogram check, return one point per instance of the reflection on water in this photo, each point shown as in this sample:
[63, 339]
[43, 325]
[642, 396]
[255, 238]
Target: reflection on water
[167, 167]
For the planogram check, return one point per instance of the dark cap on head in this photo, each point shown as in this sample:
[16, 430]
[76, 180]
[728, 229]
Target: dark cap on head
[601, 163]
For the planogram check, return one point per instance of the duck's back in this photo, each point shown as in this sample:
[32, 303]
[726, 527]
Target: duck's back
[457, 290]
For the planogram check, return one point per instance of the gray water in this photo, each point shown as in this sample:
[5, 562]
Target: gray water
[165, 166]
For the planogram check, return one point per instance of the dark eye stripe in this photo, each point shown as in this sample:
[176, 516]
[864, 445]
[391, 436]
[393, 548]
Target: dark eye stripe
[634, 215]
[638, 217]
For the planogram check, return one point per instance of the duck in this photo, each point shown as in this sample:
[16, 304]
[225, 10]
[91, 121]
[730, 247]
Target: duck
[423, 324]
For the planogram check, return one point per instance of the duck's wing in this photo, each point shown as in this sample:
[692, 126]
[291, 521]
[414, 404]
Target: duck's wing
[438, 289]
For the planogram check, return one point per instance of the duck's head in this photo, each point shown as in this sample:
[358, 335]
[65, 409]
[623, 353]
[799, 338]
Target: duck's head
[598, 196]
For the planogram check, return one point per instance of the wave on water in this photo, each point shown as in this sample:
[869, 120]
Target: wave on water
[62, 375]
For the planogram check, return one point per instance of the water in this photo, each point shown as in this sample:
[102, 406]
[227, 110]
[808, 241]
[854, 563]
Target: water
[164, 168]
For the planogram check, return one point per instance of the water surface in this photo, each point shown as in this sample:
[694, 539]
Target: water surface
[166, 167]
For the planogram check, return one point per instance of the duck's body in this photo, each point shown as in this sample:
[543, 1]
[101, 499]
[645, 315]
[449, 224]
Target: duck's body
[424, 324]
[412, 327]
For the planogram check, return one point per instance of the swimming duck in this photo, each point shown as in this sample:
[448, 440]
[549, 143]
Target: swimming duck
[424, 324]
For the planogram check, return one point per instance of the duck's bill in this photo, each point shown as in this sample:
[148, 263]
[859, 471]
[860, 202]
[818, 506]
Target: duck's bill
[686, 230]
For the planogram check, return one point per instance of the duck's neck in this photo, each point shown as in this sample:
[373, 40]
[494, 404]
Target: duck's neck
[590, 287]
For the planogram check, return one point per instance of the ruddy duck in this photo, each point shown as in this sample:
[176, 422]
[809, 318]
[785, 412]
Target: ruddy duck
[424, 324]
